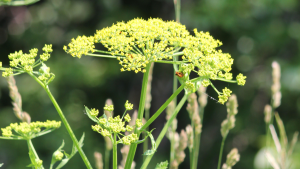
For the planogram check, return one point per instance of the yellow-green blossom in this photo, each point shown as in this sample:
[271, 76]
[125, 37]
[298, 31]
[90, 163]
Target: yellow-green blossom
[109, 108]
[138, 122]
[94, 112]
[205, 83]
[80, 46]
[241, 79]
[58, 155]
[129, 128]
[139, 42]
[127, 117]
[31, 130]
[128, 106]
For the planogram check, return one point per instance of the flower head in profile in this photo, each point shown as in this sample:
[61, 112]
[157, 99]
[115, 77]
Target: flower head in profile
[24, 130]
[139, 42]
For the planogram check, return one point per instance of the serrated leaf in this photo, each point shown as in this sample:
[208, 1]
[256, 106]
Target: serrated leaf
[162, 165]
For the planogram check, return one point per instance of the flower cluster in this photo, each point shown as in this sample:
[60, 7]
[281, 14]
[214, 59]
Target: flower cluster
[80, 46]
[107, 126]
[30, 130]
[25, 62]
[140, 42]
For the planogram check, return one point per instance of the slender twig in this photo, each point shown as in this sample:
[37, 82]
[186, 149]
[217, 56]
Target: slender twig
[221, 152]
[115, 153]
[65, 122]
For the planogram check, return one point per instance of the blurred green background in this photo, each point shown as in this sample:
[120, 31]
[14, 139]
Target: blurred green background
[254, 32]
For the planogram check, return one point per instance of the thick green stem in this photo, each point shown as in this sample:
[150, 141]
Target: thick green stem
[165, 129]
[221, 152]
[65, 122]
[162, 108]
[107, 155]
[132, 149]
[147, 106]
[115, 157]
[175, 81]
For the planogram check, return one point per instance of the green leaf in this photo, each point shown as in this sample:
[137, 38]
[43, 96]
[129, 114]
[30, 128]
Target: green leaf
[162, 165]
[89, 114]
[69, 156]
[152, 151]
[19, 3]
[1, 164]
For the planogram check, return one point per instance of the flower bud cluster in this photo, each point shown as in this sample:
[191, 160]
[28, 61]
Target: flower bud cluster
[26, 61]
[28, 131]
[107, 126]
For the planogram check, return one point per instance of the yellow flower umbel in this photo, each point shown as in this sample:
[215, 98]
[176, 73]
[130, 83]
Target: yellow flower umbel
[25, 63]
[110, 126]
[27, 131]
[140, 42]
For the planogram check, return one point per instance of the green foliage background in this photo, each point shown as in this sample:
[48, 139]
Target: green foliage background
[254, 32]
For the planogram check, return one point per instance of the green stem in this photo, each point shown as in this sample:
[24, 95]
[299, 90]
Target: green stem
[165, 129]
[162, 108]
[221, 152]
[132, 149]
[104, 56]
[115, 160]
[147, 108]
[225, 80]
[175, 85]
[65, 122]
[171, 62]
[31, 148]
[107, 155]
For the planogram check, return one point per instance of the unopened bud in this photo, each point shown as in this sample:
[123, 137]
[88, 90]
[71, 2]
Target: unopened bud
[58, 155]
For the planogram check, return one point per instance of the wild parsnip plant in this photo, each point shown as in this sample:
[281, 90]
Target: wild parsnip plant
[137, 44]
[26, 63]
